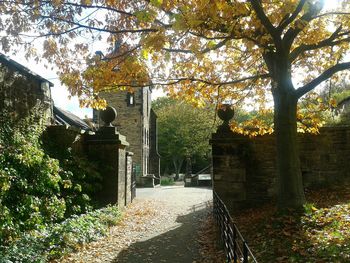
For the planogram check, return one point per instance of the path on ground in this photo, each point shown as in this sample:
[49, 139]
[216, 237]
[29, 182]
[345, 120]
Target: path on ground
[161, 225]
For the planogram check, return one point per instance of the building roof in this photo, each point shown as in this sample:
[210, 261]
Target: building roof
[24, 70]
[63, 117]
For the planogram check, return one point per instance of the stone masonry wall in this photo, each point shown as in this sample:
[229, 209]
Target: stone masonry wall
[23, 96]
[109, 151]
[154, 157]
[244, 168]
[128, 178]
[133, 122]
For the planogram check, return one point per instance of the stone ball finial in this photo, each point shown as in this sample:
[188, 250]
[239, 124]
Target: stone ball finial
[226, 112]
[108, 116]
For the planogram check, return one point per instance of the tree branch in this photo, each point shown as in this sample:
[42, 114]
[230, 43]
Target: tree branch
[51, 34]
[256, 4]
[293, 32]
[284, 23]
[324, 76]
[108, 8]
[324, 43]
[262, 16]
[100, 29]
[206, 50]
[179, 80]
[333, 13]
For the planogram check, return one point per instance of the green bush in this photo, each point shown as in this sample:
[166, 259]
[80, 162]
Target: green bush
[29, 185]
[37, 190]
[80, 178]
[166, 181]
[53, 241]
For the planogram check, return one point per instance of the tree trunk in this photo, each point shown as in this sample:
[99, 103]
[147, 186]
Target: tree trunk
[177, 166]
[289, 177]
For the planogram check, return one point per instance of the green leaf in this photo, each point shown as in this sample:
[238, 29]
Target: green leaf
[145, 15]
[156, 3]
[211, 44]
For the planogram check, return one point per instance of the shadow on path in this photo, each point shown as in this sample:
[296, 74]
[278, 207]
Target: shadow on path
[177, 244]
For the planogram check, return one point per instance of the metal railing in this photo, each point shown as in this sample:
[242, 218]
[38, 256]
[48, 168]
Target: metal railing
[235, 246]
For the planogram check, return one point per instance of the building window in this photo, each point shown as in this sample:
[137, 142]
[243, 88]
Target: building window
[130, 97]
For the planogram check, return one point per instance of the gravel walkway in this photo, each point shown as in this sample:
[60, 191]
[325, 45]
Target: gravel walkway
[161, 225]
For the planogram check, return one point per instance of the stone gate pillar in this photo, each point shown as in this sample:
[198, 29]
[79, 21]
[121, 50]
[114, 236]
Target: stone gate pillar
[229, 172]
[108, 147]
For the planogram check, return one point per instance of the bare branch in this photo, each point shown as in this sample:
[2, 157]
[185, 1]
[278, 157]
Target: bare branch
[324, 76]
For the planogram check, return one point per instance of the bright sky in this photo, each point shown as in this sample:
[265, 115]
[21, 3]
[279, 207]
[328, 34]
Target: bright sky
[329, 4]
[60, 93]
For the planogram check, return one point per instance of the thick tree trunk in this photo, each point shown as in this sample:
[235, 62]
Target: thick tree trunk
[289, 177]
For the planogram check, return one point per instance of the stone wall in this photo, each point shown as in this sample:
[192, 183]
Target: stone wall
[23, 95]
[106, 148]
[244, 169]
[154, 157]
[128, 183]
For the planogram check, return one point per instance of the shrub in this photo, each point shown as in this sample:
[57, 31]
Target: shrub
[35, 189]
[80, 178]
[29, 184]
[166, 181]
[53, 241]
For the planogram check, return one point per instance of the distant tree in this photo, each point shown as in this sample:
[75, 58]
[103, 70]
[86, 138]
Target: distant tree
[183, 131]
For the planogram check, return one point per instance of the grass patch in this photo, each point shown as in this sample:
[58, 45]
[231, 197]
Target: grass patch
[56, 240]
[319, 234]
[167, 181]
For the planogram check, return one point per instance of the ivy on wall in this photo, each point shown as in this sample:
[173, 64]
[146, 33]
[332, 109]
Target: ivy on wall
[36, 189]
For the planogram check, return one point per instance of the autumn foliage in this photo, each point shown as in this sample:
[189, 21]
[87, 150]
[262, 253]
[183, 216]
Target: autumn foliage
[203, 51]
[318, 234]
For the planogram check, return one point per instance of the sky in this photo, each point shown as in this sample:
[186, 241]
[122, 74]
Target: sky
[60, 93]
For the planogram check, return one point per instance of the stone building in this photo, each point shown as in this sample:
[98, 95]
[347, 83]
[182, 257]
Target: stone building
[137, 121]
[24, 93]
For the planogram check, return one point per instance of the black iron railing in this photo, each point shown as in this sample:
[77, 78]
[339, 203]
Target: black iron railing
[235, 246]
